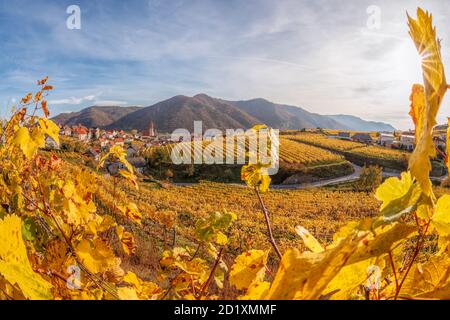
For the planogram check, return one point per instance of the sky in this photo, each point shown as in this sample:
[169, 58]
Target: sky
[326, 56]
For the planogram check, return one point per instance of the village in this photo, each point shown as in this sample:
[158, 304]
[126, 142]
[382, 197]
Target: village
[401, 140]
[95, 141]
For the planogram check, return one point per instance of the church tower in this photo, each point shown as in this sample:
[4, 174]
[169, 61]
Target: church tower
[151, 130]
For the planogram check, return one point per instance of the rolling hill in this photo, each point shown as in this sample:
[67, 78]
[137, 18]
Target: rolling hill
[359, 124]
[94, 116]
[181, 112]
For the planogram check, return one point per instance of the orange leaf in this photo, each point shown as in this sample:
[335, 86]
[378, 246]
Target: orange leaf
[44, 108]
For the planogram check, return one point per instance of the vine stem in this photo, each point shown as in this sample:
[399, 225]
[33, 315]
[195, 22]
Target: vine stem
[394, 271]
[269, 226]
[419, 244]
[211, 275]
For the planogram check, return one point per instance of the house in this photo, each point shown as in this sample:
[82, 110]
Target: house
[103, 142]
[407, 141]
[51, 144]
[386, 139]
[113, 168]
[119, 142]
[111, 134]
[67, 131]
[138, 163]
[362, 137]
[344, 135]
[91, 153]
[81, 133]
[131, 152]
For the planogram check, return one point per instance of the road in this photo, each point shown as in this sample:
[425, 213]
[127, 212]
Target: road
[351, 177]
[317, 184]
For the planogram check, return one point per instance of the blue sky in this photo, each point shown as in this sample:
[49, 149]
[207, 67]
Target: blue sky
[319, 54]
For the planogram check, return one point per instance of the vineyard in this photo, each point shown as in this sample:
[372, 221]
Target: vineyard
[290, 151]
[70, 231]
[294, 157]
[355, 151]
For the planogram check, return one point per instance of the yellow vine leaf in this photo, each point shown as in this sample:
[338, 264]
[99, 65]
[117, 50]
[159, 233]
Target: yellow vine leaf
[424, 36]
[21, 139]
[399, 196]
[429, 280]
[127, 293]
[418, 108]
[384, 239]
[248, 267]
[127, 240]
[130, 177]
[78, 211]
[119, 154]
[441, 218]
[100, 224]
[258, 290]
[145, 290]
[131, 211]
[394, 188]
[305, 275]
[14, 264]
[255, 176]
[97, 256]
[308, 239]
[29, 141]
[346, 282]
[50, 128]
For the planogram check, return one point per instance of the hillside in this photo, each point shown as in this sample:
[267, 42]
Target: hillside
[283, 116]
[358, 124]
[181, 112]
[95, 116]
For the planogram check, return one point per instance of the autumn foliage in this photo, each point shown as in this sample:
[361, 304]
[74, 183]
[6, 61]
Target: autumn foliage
[55, 241]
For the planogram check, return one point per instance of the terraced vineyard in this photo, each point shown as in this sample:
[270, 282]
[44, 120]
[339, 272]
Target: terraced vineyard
[323, 141]
[297, 152]
[291, 152]
[356, 152]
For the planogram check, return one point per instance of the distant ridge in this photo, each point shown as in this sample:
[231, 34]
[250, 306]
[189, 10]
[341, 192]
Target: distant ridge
[181, 112]
[359, 124]
[95, 116]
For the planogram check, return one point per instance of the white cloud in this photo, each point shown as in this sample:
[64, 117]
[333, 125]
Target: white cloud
[73, 100]
[110, 103]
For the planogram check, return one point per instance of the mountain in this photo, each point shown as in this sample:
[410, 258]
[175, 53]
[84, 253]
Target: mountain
[181, 112]
[95, 116]
[283, 116]
[358, 124]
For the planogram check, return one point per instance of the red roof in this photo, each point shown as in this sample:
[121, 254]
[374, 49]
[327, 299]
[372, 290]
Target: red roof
[80, 130]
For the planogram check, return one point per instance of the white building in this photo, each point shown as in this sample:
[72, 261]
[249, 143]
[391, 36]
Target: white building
[386, 139]
[407, 141]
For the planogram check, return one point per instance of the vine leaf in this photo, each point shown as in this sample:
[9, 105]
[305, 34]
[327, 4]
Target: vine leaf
[248, 267]
[14, 264]
[428, 46]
